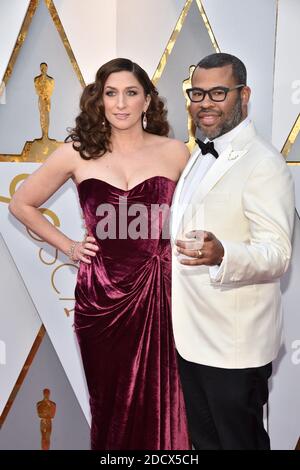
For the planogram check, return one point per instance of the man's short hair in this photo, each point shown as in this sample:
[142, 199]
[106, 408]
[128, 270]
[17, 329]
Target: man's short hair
[222, 59]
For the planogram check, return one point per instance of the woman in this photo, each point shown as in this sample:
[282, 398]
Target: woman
[119, 157]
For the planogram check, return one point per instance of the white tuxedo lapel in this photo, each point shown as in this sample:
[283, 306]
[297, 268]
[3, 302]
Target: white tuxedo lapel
[238, 148]
[226, 160]
[232, 154]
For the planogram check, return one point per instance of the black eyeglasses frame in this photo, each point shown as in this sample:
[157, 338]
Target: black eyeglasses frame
[208, 92]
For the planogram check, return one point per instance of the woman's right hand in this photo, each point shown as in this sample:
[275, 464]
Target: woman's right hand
[82, 251]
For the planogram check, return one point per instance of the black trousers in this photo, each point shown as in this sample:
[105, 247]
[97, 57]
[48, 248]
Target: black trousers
[225, 406]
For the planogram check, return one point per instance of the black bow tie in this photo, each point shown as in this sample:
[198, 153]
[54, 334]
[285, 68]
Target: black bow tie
[207, 147]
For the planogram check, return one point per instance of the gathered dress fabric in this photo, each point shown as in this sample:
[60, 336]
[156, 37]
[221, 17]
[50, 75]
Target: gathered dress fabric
[123, 320]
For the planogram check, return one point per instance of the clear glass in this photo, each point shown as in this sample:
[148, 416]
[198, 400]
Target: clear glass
[193, 242]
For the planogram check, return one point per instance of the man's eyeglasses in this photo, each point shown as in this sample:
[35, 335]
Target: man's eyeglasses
[217, 93]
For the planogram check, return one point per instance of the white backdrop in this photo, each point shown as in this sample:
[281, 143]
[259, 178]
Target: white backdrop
[98, 30]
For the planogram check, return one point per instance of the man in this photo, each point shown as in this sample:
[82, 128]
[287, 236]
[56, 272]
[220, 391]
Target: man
[226, 293]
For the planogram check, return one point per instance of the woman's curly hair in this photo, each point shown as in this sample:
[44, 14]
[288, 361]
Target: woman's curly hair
[92, 133]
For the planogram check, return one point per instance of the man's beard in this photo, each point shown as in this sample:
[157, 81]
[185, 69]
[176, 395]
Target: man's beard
[233, 120]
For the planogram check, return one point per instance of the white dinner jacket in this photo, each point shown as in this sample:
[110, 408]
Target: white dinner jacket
[247, 200]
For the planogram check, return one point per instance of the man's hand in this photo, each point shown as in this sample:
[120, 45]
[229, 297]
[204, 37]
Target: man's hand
[210, 254]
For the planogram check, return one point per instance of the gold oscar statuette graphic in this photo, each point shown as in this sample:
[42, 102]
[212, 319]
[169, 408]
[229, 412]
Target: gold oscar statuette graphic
[191, 126]
[46, 411]
[44, 86]
[39, 149]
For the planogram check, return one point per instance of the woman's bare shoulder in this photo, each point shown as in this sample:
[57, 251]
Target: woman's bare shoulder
[65, 155]
[67, 149]
[165, 143]
[177, 144]
[177, 150]
[174, 152]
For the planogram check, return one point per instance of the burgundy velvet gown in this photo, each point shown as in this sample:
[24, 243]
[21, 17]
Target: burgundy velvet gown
[123, 325]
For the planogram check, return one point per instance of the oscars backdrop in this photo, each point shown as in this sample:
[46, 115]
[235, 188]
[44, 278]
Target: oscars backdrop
[49, 50]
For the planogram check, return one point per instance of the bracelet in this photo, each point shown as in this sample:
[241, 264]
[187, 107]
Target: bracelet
[70, 251]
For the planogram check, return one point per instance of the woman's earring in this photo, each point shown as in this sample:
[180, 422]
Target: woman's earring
[145, 122]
